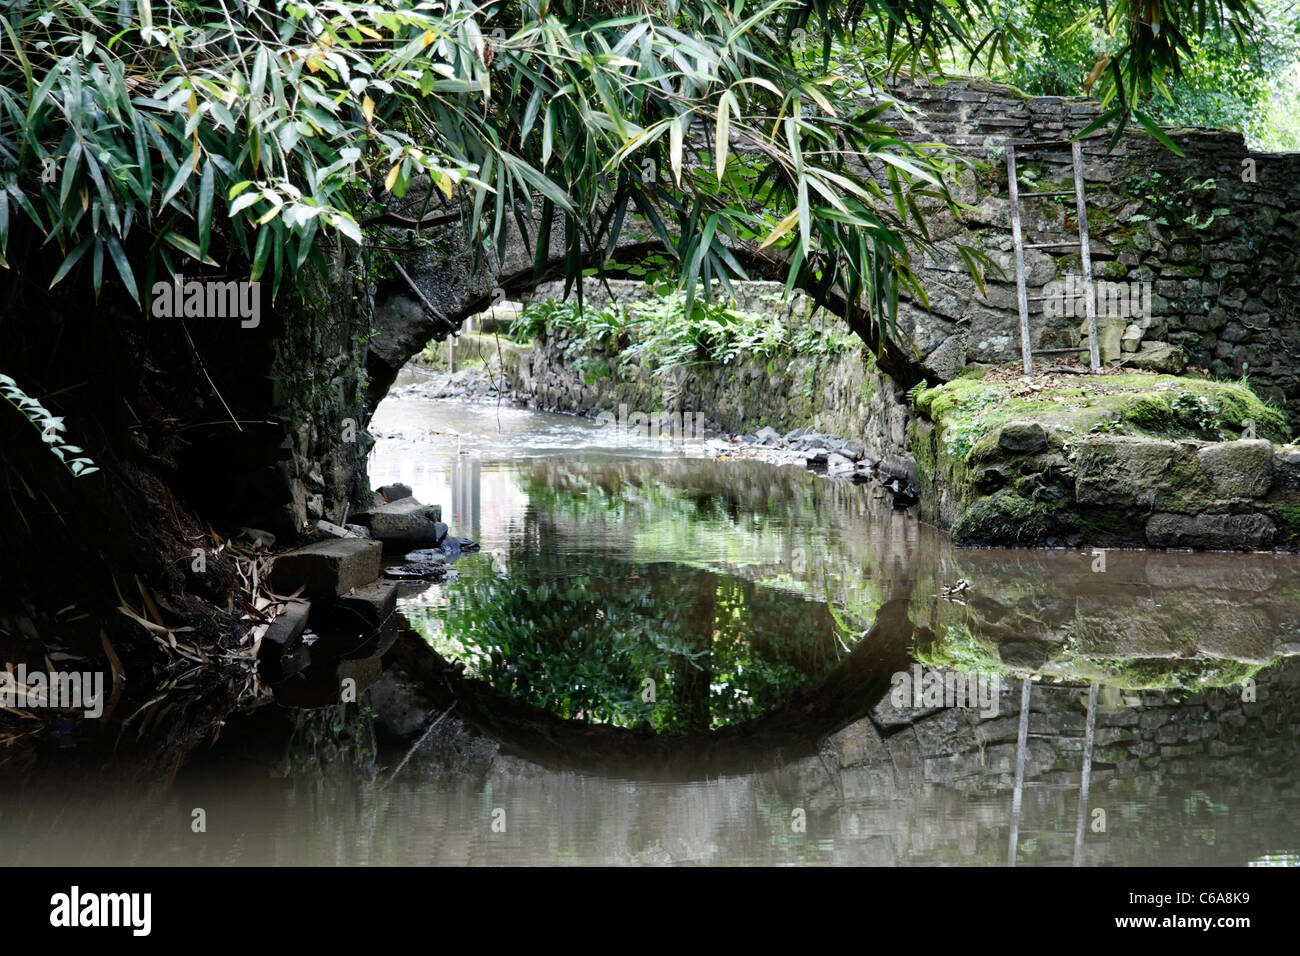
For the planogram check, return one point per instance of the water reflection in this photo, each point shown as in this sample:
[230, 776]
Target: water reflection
[657, 646]
[772, 608]
[1189, 655]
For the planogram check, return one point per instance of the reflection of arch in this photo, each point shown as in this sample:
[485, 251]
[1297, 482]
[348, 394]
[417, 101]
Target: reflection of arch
[794, 729]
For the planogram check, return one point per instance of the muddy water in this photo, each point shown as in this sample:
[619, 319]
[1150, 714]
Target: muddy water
[771, 608]
[1194, 743]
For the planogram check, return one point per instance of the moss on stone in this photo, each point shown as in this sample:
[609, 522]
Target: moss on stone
[1169, 673]
[1151, 413]
[1287, 520]
[960, 441]
[1106, 528]
[1160, 406]
[1004, 518]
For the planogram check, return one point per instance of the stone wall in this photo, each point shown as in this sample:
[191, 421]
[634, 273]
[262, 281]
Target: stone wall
[843, 395]
[1106, 461]
[1227, 294]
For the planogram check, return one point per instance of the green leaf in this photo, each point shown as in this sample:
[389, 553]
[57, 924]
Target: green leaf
[722, 135]
[260, 254]
[187, 246]
[118, 255]
[71, 260]
[206, 189]
[182, 174]
[1151, 127]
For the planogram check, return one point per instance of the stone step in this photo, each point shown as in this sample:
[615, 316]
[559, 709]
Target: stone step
[327, 568]
[350, 627]
[405, 522]
[278, 654]
[374, 601]
[322, 684]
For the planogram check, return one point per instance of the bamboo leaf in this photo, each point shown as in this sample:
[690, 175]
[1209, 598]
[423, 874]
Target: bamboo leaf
[206, 188]
[722, 135]
[118, 255]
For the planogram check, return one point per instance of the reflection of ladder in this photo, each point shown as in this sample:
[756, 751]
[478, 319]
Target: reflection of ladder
[1026, 687]
[1013, 189]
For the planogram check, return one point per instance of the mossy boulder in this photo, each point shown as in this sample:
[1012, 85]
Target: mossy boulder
[1003, 518]
[1064, 459]
[1022, 437]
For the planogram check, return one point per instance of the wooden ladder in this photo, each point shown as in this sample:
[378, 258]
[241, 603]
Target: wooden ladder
[1085, 778]
[1085, 252]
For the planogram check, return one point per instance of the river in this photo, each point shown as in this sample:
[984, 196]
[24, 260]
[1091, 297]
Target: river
[719, 645]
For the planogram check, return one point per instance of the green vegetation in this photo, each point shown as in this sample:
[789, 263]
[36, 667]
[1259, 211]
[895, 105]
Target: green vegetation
[961, 649]
[230, 136]
[1165, 673]
[237, 137]
[1236, 73]
[1177, 205]
[1287, 519]
[50, 427]
[665, 333]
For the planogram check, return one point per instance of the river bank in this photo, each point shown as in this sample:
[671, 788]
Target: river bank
[1126, 457]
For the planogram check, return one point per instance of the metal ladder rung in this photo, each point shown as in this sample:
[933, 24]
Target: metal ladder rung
[1077, 348]
[1050, 192]
[1037, 785]
[1048, 245]
[1059, 143]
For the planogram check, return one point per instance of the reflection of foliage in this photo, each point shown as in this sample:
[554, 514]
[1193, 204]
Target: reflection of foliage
[1166, 674]
[579, 646]
[853, 605]
[719, 649]
[960, 650]
[765, 645]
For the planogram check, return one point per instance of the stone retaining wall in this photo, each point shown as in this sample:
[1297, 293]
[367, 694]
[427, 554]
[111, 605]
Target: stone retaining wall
[1226, 293]
[843, 395]
[1112, 491]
